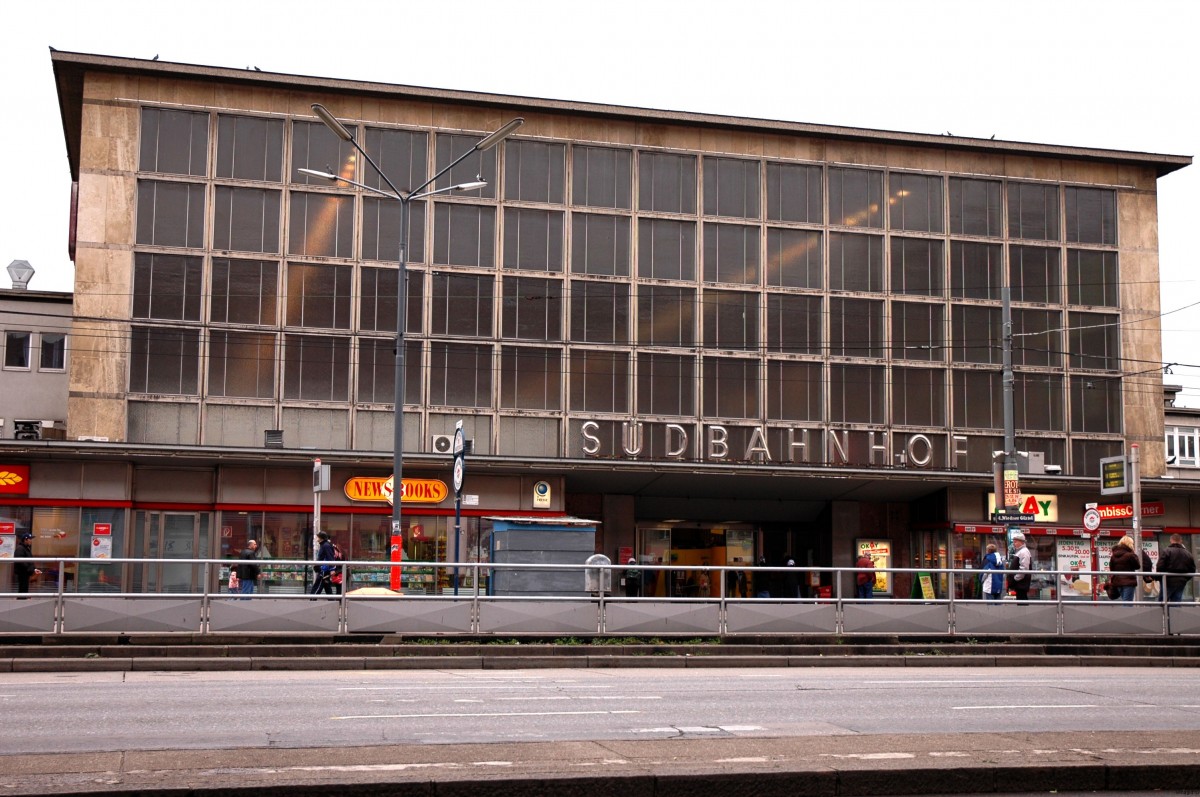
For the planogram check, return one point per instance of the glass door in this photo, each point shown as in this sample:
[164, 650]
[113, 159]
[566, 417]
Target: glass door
[173, 535]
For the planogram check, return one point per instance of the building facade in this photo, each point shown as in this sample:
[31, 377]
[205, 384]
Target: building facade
[727, 340]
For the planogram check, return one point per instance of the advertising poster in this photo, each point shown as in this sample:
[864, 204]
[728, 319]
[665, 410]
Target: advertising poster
[8, 540]
[880, 552]
[1075, 557]
[102, 541]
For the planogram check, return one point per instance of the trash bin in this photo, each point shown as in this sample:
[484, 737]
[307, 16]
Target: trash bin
[597, 577]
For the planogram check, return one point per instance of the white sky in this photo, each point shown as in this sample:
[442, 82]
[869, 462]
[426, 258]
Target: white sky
[1090, 73]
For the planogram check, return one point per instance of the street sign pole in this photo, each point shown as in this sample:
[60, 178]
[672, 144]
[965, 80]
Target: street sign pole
[1135, 482]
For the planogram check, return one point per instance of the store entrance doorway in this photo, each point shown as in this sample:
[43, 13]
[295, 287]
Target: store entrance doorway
[170, 535]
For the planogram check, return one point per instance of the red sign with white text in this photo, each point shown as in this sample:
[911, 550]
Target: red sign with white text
[14, 480]
[1124, 511]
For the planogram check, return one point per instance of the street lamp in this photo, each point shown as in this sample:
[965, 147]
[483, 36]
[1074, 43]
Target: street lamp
[403, 197]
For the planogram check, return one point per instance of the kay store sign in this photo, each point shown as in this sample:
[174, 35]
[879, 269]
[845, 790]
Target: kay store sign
[1044, 508]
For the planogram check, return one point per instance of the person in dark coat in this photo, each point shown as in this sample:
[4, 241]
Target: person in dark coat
[322, 573]
[633, 580]
[23, 570]
[247, 569]
[1124, 560]
[1176, 559]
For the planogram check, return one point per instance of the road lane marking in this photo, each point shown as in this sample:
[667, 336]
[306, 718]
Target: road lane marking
[1047, 706]
[490, 714]
[460, 688]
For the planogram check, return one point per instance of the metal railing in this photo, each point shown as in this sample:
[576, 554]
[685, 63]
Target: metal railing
[941, 604]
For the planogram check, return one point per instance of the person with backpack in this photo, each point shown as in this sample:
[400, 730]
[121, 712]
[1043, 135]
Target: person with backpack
[323, 573]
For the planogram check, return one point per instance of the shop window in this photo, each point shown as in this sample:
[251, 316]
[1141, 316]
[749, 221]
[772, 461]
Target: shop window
[249, 148]
[460, 375]
[167, 287]
[856, 327]
[316, 368]
[794, 193]
[321, 225]
[975, 334]
[599, 381]
[318, 296]
[730, 320]
[462, 305]
[731, 254]
[794, 259]
[1033, 211]
[381, 230]
[730, 388]
[164, 360]
[666, 316]
[530, 378]
[1093, 341]
[174, 142]
[731, 187]
[1095, 405]
[976, 270]
[246, 220]
[857, 394]
[1038, 403]
[915, 202]
[599, 245]
[918, 397]
[244, 291]
[599, 312]
[1037, 338]
[533, 239]
[601, 177]
[464, 235]
[975, 207]
[476, 166]
[855, 198]
[917, 331]
[666, 249]
[377, 300]
[170, 214]
[376, 377]
[917, 267]
[977, 400]
[1092, 278]
[794, 323]
[16, 348]
[531, 309]
[855, 262]
[534, 171]
[666, 384]
[1091, 215]
[241, 364]
[794, 390]
[53, 351]
[1034, 274]
[316, 147]
[401, 155]
[666, 182]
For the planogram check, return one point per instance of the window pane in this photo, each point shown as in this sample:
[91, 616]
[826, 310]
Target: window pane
[857, 394]
[731, 187]
[730, 320]
[464, 235]
[377, 371]
[601, 177]
[599, 312]
[976, 270]
[316, 147]
[1033, 211]
[174, 142]
[462, 305]
[477, 166]
[794, 323]
[169, 287]
[163, 360]
[975, 334]
[855, 262]
[855, 327]
[1038, 402]
[170, 214]
[667, 182]
[533, 239]
[599, 245]
[1092, 278]
[1037, 337]
[1034, 274]
[599, 381]
[666, 316]
[535, 171]
[1095, 405]
[975, 207]
[917, 267]
[249, 148]
[377, 301]
[532, 309]
[1091, 215]
[917, 332]
[321, 225]
[460, 375]
[794, 391]
[246, 220]
[16, 349]
[667, 249]
[54, 351]
[381, 231]
[730, 388]
[731, 254]
[794, 193]
[318, 296]
[916, 202]
[401, 155]
[530, 379]
[244, 291]
[666, 384]
[855, 198]
[794, 258]
[1093, 342]
[978, 399]
[241, 364]
[918, 397]
[316, 368]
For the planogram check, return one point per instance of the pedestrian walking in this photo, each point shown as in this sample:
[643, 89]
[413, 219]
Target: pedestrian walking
[248, 569]
[1020, 563]
[864, 583]
[633, 580]
[1175, 558]
[1123, 560]
[23, 570]
[992, 581]
[322, 573]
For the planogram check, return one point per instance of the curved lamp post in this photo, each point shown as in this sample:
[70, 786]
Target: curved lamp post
[403, 197]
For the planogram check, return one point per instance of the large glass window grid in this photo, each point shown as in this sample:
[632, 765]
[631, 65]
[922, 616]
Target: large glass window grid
[600, 176]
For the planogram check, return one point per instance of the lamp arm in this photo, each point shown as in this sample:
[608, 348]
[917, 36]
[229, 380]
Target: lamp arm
[398, 193]
[427, 183]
